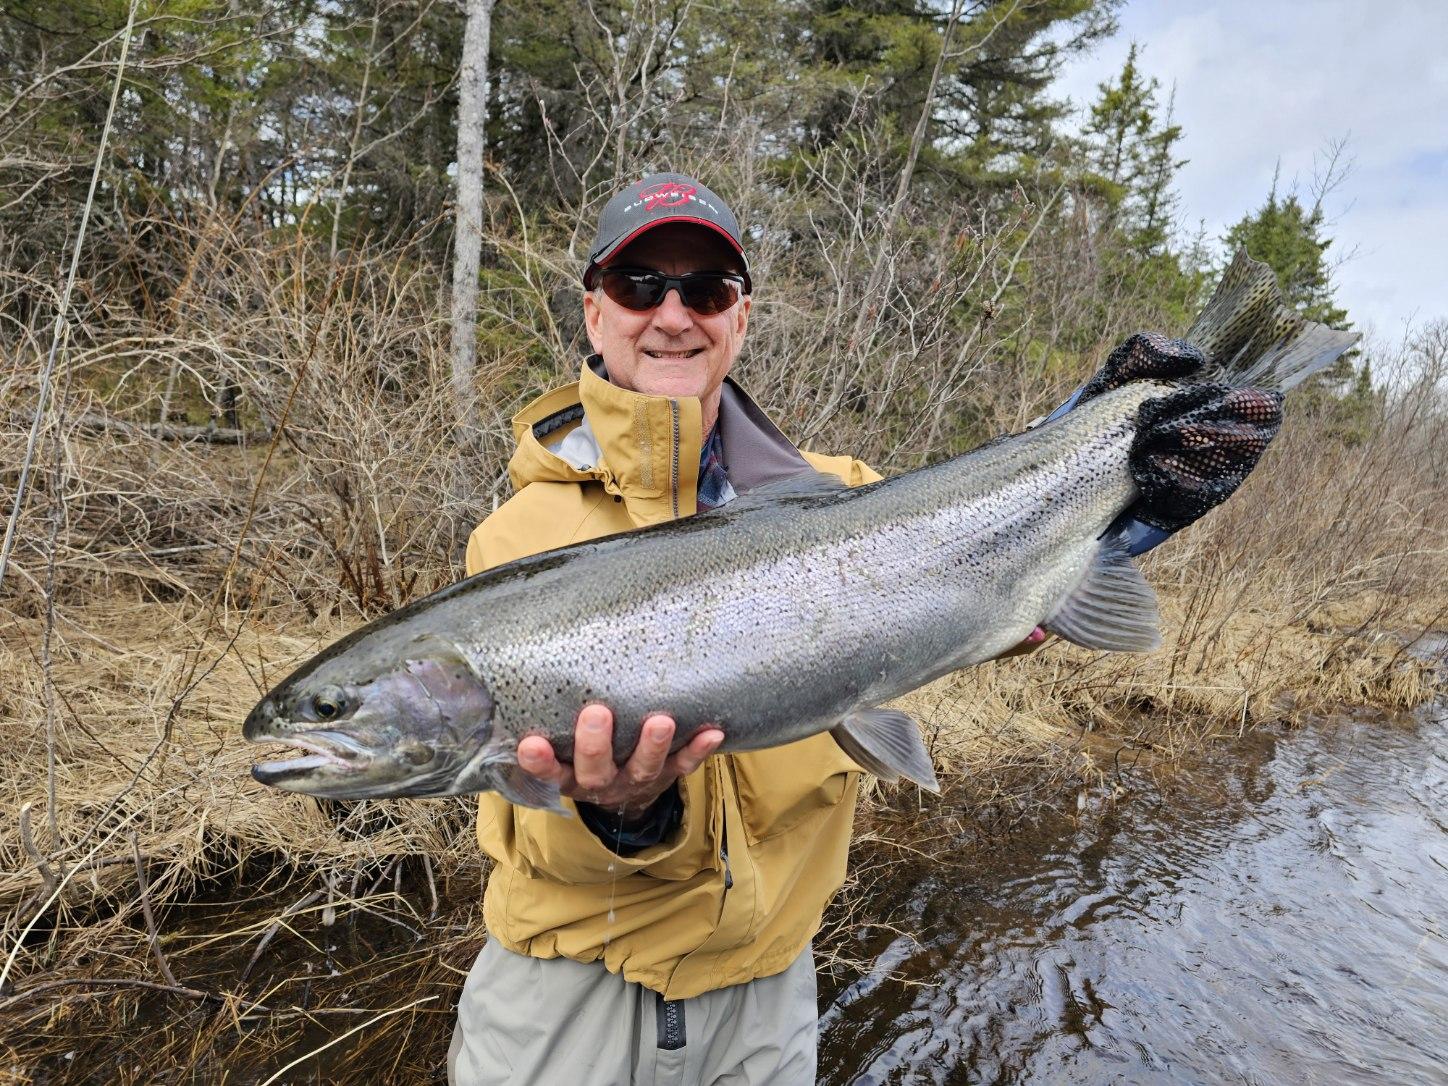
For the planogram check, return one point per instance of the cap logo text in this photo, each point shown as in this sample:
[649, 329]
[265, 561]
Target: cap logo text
[668, 194]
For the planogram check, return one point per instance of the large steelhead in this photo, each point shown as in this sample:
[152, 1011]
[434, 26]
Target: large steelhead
[798, 608]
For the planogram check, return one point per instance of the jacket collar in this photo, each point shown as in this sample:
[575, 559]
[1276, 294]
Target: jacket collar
[643, 449]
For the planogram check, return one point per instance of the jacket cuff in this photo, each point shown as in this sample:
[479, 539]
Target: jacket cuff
[658, 823]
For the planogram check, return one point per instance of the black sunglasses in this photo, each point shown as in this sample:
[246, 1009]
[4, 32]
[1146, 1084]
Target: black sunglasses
[640, 289]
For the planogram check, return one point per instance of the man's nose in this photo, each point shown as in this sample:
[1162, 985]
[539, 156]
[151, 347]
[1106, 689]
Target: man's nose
[672, 315]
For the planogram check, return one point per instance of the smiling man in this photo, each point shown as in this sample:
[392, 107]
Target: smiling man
[663, 934]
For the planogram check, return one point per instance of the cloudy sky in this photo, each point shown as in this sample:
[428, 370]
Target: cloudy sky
[1262, 80]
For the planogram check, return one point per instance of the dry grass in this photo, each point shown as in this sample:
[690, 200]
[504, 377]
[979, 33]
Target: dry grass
[161, 584]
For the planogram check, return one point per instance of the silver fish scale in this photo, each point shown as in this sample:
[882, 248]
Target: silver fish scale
[775, 622]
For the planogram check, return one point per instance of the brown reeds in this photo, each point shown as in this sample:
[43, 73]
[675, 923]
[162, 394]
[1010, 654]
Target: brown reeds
[166, 919]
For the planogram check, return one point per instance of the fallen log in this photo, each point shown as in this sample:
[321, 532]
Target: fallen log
[210, 434]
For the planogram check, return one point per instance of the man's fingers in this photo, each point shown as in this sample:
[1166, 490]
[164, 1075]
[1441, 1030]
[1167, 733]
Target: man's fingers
[593, 766]
[647, 760]
[692, 756]
[535, 756]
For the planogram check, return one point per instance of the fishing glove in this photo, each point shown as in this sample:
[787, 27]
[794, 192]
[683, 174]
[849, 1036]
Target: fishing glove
[1194, 447]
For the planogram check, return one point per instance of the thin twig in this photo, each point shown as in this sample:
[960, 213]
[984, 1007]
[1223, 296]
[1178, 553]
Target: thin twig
[149, 916]
[276, 926]
[431, 887]
[27, 840]
[338, 1040]
[54, 894]
[176, 989]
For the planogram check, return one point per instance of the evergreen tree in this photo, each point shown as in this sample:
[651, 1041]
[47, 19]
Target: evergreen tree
[1288, 236]
[991, 118]
[1131, 148]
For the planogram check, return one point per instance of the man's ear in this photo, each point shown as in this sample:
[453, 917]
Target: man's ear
[592, 319]
[742, 318]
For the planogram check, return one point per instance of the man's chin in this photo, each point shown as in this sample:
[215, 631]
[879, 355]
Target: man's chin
[675, 379]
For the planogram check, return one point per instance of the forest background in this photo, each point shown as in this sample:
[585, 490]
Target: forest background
[239, 418]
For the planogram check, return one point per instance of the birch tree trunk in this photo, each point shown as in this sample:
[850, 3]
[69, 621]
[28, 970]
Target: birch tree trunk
[468, 239]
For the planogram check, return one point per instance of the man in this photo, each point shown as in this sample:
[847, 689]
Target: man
[663, 934]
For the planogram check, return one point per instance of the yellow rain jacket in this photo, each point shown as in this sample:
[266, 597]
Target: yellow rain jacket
[739, 889]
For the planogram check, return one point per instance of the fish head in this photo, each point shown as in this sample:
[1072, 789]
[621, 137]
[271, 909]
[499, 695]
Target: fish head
[375, 723]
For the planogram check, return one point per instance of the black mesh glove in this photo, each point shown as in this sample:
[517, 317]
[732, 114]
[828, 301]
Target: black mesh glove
[1193, 448]
[1143, 357]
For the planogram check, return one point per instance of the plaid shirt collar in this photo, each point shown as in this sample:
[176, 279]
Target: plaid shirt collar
[714, 489]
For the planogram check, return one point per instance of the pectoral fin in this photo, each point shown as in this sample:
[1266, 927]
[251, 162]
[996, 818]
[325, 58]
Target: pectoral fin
[494, 768]
[526, 790]
[887, 743]
[1113, 608]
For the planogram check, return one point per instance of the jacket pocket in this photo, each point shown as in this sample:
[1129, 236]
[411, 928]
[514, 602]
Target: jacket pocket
[781, 787]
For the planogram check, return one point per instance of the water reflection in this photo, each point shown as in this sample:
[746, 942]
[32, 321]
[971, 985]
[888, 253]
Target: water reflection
[1279, 916]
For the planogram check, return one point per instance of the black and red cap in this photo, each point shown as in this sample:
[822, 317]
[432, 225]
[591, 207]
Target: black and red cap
[652, 201]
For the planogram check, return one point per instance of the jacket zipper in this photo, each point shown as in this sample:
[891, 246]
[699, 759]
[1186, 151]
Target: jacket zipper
[674, 458]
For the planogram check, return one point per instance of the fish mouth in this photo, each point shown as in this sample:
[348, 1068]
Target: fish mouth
[329, 750]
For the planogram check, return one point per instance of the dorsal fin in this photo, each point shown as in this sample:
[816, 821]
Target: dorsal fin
[803, 484]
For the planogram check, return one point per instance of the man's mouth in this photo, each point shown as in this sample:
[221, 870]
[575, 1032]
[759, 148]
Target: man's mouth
[673, 356]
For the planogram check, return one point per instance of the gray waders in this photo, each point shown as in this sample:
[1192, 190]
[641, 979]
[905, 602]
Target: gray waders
[525, 1021]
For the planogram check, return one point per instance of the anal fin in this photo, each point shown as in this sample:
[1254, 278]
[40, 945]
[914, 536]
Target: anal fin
[887, 743]
[1113, 608]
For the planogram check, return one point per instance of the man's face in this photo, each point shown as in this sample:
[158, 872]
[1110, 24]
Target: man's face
[669, 350]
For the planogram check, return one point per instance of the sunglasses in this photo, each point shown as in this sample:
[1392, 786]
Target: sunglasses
[640, 289]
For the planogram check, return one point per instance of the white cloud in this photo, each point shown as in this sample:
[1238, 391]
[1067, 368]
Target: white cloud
[1258, 82]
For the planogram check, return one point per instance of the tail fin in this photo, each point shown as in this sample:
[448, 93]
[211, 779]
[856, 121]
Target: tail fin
[1251, 338]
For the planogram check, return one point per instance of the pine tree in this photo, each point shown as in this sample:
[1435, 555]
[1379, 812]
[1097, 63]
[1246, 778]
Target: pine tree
[1288, 236]
[1131, 150]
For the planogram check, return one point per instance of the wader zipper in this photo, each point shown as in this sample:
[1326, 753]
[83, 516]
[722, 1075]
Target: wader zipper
[670, 1020]
[674, 458]
[728, 875]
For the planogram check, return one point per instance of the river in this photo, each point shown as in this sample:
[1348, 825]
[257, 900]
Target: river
[1277, 914]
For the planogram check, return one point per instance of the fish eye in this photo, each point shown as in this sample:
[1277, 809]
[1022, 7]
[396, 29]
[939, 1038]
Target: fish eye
[329, 703]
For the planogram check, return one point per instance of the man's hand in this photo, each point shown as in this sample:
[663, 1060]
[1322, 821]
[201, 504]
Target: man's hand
[593, 777]
[1033, 641]
[1194, 447]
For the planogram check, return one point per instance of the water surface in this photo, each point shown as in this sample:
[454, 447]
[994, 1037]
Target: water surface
[1278, 915]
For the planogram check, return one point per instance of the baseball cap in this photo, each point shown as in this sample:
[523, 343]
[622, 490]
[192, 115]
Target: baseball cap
[656, 199]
